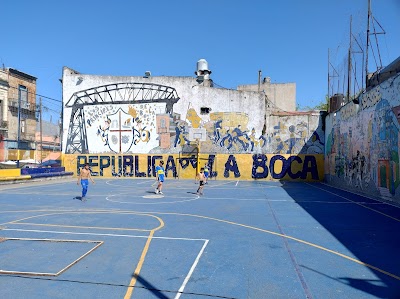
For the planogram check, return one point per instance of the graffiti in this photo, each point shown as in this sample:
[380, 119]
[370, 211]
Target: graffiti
[258, 166]
[371, 98]
[193, 118]
[304, 136]
[238, 140]
[102, 131]
[181, 135]
[231, 166]
[121, 128]
[362, 150]
[348, 111]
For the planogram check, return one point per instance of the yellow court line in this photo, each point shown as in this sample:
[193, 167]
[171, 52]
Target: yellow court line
[386, 215]
[277, 234]
[288, 237]
[132, 283]
[76, 226]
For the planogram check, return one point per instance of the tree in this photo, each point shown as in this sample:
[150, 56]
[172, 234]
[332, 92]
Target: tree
[323, 106]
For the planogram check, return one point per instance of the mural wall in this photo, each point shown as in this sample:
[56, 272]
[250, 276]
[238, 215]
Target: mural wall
[222, 166]
[126, 116]
[362, 142]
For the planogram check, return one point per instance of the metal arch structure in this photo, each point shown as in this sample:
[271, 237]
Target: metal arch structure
[116, 93]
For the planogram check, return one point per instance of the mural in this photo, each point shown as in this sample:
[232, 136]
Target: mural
[121, 129]
[362, 142]
[222, 166]
[138, 118]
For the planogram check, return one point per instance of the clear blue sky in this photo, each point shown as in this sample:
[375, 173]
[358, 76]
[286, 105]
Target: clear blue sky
[288, 39]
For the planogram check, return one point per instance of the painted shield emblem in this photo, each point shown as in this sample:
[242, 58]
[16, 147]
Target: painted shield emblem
[120, 136]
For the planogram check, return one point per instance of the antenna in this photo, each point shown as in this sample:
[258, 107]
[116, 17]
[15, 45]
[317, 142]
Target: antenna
[366, 53]
[371, 19]
[349, 63]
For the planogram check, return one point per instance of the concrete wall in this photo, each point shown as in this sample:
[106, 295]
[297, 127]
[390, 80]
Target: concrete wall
[222, 166]
[234, 116]
[362, 143]
[238, 122]
[281, 95]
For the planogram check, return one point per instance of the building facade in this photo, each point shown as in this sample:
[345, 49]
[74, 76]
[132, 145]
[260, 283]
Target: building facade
[18, 102]
[122, 125]
[281, 95]
[363, 140]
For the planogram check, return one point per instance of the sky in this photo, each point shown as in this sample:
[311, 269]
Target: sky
[288, 40]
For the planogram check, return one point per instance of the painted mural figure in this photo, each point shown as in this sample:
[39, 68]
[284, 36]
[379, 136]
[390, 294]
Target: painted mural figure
[217, 129]
[140, 134]
[282, 146]
[193, 118]
[228, 137]
[180, 135]
[102, 131]
[239, 136]
[261, 141]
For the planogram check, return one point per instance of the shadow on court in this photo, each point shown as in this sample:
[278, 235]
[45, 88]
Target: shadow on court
[367, 228]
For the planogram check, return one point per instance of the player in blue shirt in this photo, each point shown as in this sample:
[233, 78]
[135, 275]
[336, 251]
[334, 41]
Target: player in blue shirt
[160, 175]
[206, 173]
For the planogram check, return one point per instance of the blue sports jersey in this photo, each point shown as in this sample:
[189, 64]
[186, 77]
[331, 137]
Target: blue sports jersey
[160, 171]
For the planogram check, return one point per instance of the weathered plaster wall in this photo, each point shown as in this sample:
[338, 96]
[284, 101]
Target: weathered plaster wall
[362, 143]
[238, 124]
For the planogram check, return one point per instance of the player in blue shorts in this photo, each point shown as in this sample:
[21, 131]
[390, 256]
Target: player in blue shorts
[160, 175]
[206, 173]
[83, 178]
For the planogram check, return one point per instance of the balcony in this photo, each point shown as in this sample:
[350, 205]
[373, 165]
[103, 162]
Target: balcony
[27, 108]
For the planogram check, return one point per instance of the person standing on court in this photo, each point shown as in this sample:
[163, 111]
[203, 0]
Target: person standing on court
[206, 173]
[84, 177]
[160, 175]
[201, 178]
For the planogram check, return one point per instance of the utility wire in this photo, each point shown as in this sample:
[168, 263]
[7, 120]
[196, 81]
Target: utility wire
[36, 94]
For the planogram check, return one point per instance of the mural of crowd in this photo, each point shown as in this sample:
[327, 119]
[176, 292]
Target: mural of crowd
[362, 144]
[138, 128]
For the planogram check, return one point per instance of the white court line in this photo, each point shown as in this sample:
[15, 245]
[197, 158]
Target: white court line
[98, 234]
[108, 198]
[180, 291]
[220, 184]
[227, 198]
[237, 182]
[362, 195]
[147, 181]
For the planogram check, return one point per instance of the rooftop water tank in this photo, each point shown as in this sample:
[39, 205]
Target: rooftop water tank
[202, 65]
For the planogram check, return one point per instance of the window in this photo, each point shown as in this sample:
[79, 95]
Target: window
[23, 125]
[163, 123]
[23, 93]
[205, 110]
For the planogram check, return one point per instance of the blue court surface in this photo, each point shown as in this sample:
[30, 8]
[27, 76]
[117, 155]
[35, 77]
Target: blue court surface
[239, 240]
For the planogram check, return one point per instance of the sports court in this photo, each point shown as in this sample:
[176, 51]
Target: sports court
[242, 239]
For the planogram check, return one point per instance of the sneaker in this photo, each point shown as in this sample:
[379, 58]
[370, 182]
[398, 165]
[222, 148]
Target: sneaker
[159, 192]
[83, 198]
[156, 191]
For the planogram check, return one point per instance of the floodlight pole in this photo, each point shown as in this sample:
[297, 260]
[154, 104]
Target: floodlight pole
[198, 153]
[19, 125]
[41, 131]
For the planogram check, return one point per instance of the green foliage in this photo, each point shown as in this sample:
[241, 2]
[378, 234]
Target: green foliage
[323, 106]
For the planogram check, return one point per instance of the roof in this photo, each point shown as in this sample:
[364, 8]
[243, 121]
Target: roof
[294, 113]
[21, 74]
